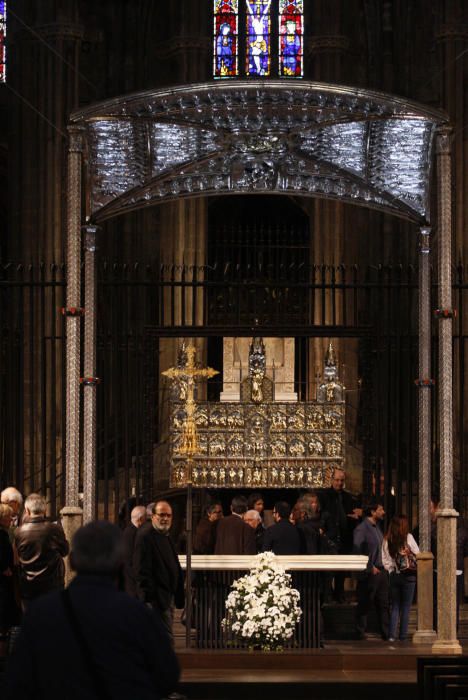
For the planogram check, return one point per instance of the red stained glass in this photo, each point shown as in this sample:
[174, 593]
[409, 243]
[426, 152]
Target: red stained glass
[225, 39]
[291, 36]
[2, 41]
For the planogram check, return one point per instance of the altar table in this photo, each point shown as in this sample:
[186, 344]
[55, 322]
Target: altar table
[214, 574]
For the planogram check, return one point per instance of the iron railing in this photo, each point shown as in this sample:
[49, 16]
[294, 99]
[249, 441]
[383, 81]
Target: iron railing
[140, 304]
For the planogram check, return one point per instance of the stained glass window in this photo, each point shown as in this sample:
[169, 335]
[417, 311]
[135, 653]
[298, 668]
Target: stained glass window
[291, 36]
[2, 41]
[225, 51]
[258, 39]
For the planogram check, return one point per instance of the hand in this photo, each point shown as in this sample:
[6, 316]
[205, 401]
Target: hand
[7, 572]
[354, 515]
[375, 571]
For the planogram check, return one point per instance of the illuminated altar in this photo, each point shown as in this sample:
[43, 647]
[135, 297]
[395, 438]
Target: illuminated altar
[268, 443]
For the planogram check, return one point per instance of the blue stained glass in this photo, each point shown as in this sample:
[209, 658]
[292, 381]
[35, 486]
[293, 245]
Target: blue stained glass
[291, 36]
[225, 39]
[2, 41]
[258, 42]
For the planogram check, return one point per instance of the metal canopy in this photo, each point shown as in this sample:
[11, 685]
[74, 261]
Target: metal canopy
[309, 139]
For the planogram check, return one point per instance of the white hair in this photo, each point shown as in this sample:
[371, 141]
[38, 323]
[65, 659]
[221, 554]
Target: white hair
[35, 504]
[252, 515]
[138, 513]
[11, 494]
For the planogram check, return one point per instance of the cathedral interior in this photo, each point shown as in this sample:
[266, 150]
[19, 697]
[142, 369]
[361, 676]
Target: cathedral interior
[219, 270]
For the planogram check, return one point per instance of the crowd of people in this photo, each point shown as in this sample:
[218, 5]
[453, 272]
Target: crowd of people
[103, 642]
[142, 563]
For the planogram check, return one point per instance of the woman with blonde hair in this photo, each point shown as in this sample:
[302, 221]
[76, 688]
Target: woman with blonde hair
[8, 608]
[399, 551]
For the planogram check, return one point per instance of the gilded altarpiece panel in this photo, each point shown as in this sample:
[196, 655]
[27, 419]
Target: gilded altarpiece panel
[272, 445]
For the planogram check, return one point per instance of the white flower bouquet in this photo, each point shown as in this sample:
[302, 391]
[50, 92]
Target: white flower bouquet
[262, 608]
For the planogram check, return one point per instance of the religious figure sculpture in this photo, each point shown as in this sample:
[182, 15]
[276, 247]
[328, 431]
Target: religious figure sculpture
[257, 367]
[331, 390]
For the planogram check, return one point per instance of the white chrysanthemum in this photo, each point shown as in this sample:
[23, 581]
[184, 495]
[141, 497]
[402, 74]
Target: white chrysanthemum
[262, 608]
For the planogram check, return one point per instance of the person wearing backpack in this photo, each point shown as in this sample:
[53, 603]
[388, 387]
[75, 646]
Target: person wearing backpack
[399, 550]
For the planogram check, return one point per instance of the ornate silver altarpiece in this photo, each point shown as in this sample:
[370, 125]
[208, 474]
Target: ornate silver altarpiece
[264, 444]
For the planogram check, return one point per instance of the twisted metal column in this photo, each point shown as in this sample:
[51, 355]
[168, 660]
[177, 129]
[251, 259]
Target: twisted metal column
[424, 383]
[73, 316]
[447, 642]
[89, 379]
[424, 633]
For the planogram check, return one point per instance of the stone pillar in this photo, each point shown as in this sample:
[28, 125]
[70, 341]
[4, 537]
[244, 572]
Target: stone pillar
[425, 630]
[447, 642]
[89, 380]
[73, 314]
[72, 519]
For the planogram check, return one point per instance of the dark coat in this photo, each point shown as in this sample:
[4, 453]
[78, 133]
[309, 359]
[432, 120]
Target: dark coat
[159, 575]
[340, 527]
[130, 582]
[234, 536]
[309, 532]
[282, 538]
[314, 541]
[41, 546]
[8, 607]
[259, 536]
[128, 643]
[205, 536]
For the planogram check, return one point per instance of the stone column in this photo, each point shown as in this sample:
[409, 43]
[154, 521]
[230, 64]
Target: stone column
[73, 313]
[89, 380]
[425, 633]
[72, 519]
[447, 642]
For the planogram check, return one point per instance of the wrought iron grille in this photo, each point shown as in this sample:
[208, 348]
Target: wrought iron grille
[376, 305]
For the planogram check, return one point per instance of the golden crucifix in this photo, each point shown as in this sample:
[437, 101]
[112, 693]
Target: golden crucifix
[189, 373]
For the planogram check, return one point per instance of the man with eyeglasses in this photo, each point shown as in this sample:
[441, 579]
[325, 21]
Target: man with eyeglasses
[159, 575]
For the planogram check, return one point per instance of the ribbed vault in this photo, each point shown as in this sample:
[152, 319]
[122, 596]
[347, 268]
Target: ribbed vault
[309, 139]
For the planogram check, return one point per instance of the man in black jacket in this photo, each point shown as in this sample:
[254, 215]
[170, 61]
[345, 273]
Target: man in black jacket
[344, 514]
[282, 537]
[98, 644]
[159, 575]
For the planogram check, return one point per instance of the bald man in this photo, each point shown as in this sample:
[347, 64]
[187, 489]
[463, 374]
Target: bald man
[159, 576]
[137, 519]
